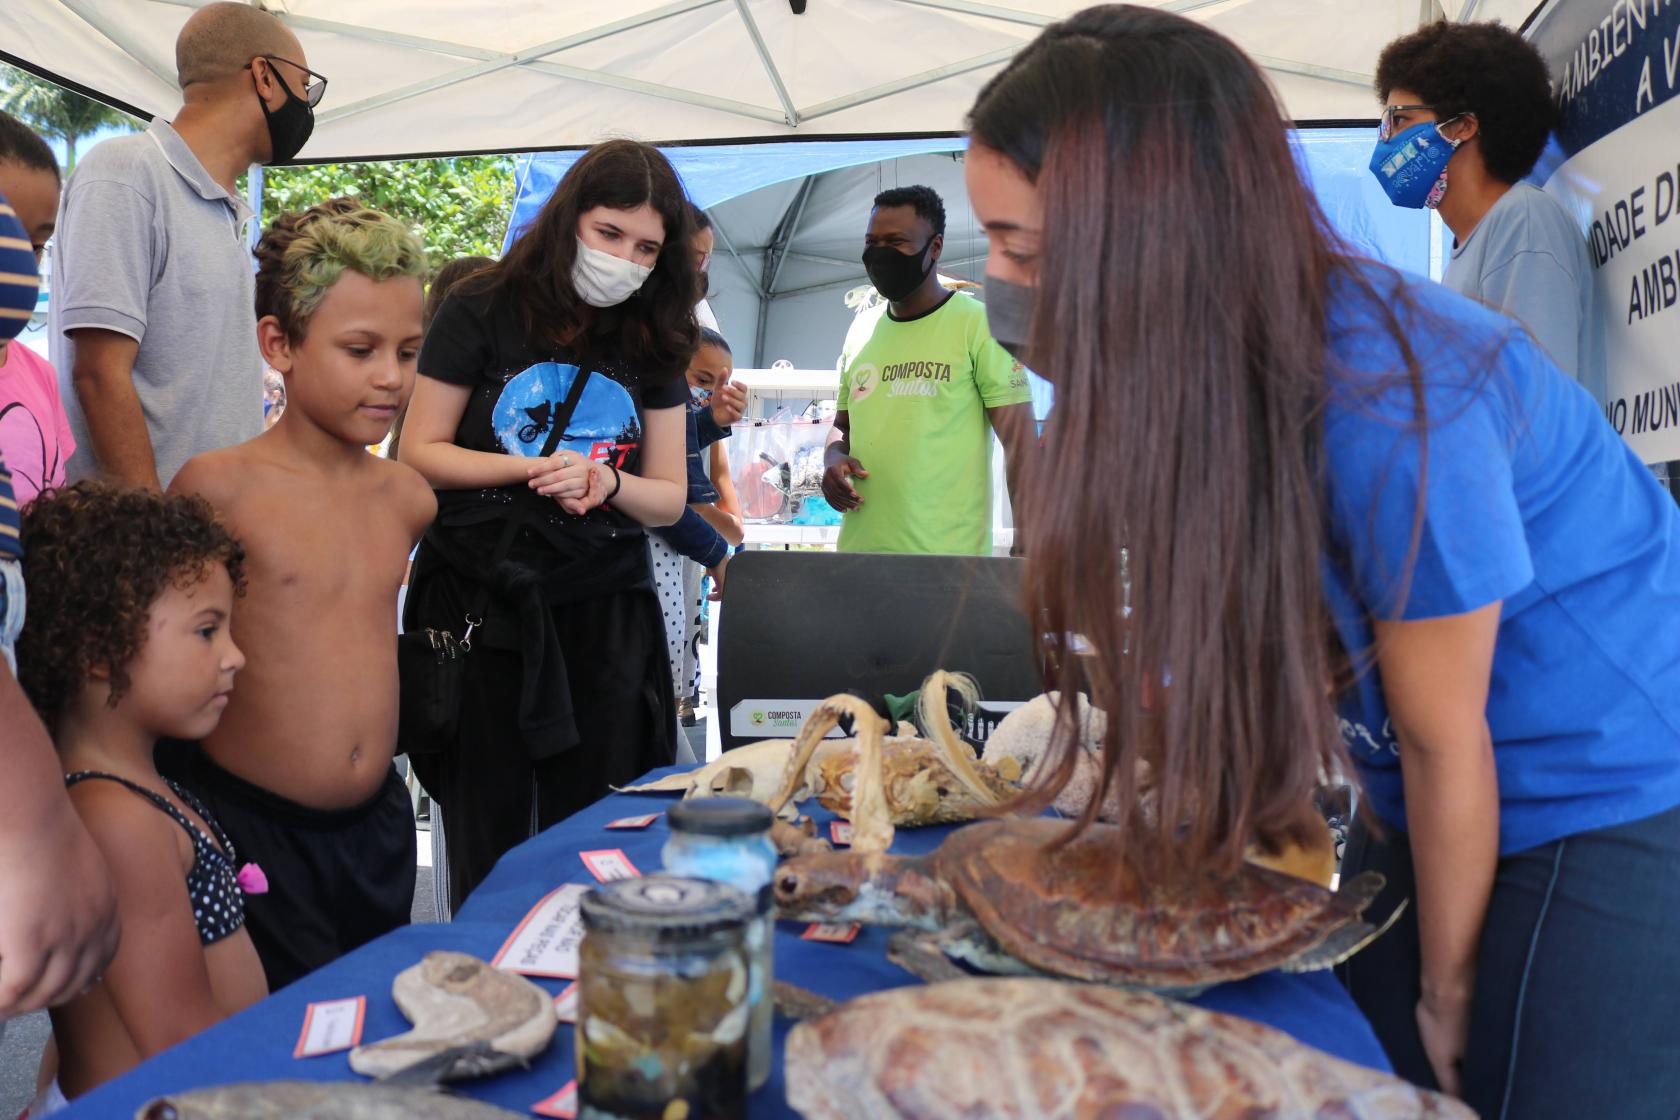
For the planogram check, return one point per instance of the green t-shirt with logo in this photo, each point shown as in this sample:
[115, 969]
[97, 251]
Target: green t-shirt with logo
[917, 391]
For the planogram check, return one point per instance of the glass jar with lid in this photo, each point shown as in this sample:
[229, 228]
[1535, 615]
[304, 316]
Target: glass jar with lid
[727, 839]
[663, 1007]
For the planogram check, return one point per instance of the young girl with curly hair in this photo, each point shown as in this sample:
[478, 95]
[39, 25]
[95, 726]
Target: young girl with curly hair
[126, 642]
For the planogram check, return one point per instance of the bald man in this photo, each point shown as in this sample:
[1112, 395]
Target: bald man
[153, 327]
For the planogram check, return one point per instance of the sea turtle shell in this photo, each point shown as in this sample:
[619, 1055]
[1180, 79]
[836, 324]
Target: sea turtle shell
[1054, 1050]
[1074, 910]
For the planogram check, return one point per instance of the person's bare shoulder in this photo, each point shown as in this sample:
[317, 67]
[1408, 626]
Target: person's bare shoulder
[414, 498]
[216, 476]
[125, 824]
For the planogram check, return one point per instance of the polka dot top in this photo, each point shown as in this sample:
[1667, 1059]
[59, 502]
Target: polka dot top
[218, 903]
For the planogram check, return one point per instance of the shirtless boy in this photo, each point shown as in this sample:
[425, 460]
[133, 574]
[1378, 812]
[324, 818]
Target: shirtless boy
[299, 769]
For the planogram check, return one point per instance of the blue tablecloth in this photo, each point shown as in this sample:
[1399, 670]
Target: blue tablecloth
[257, 1044]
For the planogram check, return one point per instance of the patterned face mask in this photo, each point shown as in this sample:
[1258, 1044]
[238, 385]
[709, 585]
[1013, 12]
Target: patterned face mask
[1412, 165]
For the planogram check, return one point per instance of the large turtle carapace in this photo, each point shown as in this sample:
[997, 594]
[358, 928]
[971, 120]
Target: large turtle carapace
[1016, 1048]
[1002, 895]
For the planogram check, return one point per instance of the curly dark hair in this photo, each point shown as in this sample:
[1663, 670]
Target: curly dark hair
[95, 559]
[924, 200]
[1481, 68]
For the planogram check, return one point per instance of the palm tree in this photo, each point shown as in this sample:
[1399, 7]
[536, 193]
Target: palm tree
[55, 112]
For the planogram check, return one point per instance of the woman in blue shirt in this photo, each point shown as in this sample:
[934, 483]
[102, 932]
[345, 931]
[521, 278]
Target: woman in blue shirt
[1352, 501]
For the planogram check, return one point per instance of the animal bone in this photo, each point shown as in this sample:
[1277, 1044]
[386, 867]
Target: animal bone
[872, 827]
[455, 1000]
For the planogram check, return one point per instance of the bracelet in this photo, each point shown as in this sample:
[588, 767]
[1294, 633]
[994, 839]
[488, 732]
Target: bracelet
[618, 483]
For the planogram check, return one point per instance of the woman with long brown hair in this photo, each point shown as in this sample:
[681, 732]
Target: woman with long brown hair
[549, 417]
[1349, 500]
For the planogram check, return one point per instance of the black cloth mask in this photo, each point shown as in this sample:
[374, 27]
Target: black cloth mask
[288, 126]
[895, 274]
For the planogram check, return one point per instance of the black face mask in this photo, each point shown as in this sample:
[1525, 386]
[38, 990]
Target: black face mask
[288, 126]
[895, 274]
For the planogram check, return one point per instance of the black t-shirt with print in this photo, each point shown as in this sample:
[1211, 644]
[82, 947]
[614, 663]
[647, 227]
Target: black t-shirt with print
[478, 340]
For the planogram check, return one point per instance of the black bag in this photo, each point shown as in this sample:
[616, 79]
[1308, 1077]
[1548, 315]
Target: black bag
[432, 663]
[431, 666]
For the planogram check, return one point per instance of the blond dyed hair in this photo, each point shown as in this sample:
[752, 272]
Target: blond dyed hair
[304, 253]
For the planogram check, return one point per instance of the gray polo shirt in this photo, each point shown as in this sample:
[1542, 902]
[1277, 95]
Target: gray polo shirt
[1528, 258]
[150, 246]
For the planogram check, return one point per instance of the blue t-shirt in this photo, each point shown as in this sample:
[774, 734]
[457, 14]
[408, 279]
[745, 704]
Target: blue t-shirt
[1532, 499]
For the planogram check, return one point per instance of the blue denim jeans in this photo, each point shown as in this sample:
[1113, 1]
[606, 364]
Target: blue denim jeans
[1575, 1014]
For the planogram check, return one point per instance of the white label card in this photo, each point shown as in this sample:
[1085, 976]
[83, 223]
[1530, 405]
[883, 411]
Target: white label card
[566, 1003]
[330, 1026]
[609, 864]
[773, 719]
[843, 933]
[562, 1105]
[546, 942]
[841, 833]
[634, 822]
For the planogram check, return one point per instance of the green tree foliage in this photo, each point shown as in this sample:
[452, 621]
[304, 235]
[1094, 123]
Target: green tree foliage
[55, 112]
[459, 206]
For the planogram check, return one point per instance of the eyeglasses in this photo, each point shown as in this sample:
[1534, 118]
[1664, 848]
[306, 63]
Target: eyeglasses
[313, 90]
[1385, 127]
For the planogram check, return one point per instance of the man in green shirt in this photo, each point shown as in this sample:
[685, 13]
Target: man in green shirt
[920, 395]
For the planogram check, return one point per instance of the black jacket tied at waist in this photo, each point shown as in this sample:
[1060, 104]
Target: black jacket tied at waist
[554, 561]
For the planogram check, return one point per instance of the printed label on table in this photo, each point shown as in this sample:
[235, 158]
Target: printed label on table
[609, 864]
[562, 1105]
[841, 833]
[842, 932]
[545, 943]
[634, 822]
[565, 1004]
[330, 1026]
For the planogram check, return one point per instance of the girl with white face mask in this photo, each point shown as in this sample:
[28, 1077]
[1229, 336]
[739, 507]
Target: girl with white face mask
[550, 417]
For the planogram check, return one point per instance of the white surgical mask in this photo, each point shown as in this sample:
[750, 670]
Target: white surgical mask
[603, 280]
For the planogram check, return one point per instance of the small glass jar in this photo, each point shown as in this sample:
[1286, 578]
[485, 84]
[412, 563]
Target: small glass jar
[663, 1004]
[727, 839]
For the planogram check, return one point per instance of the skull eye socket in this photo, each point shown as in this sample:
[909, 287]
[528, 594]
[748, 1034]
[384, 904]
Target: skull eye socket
[161, 1110]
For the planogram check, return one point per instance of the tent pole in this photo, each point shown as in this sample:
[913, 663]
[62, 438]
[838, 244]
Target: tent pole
[774, 254]
[914, 81]
[990, 11]
[729, 247]
[769, 63]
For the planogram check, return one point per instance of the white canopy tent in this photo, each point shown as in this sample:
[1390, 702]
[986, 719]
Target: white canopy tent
[431, 77]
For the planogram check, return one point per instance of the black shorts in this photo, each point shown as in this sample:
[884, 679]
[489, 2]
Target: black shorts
[336, 878]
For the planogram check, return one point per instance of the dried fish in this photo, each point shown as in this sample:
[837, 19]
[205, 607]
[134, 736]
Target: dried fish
[318, 1100]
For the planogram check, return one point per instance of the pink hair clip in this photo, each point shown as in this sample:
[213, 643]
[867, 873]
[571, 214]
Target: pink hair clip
[251, 879]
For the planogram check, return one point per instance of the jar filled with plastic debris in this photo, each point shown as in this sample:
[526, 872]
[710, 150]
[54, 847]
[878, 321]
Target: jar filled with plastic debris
[663, 1000]
[727, 839]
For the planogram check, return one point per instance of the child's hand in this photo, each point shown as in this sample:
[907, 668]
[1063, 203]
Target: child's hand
[729, 404]
[717, 579]
[563, 476]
